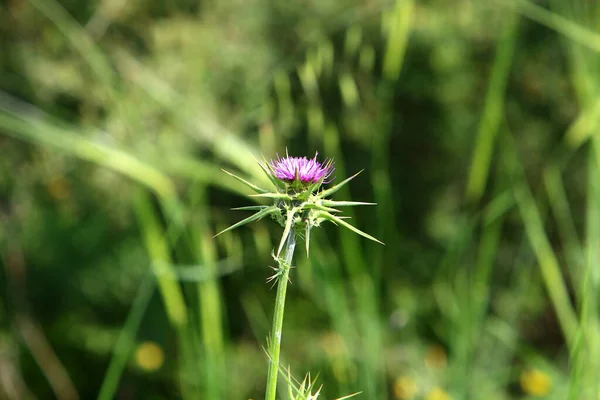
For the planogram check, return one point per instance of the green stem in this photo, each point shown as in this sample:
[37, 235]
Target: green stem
[283, 272]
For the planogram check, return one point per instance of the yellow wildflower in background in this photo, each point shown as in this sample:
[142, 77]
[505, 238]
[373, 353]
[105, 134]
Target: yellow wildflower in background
[535, 382]
[438, 394]
[149, 356]
[435, 357]
[333, 344]
[58, 187]
[405, 388]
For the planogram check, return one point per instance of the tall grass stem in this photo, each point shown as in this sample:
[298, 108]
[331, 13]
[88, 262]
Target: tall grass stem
[126, 340]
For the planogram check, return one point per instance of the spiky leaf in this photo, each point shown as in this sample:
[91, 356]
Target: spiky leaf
[340, 221]
[305, 195]
[261, 214]
[290, 386]
[337, 187]
[271, 195]
[333, 203]
[250, 208]
[313, 206]
[265, 167]
[307, 238]
[349, 396]
[289, 220]
[245, 182]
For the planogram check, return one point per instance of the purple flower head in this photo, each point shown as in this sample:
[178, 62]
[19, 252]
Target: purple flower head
[306, 170]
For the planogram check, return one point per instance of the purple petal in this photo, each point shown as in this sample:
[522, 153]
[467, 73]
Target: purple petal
[307, 170]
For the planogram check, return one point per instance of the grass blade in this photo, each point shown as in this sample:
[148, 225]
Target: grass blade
[547, 261]
[126, 339]
[159, 253]
[492, 112]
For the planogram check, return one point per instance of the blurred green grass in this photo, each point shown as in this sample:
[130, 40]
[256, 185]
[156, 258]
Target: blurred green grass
[476, 124]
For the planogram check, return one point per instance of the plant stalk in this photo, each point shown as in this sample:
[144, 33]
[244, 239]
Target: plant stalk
[283, 272]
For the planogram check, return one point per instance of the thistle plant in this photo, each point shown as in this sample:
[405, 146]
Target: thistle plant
[306, 389]
[299, 204]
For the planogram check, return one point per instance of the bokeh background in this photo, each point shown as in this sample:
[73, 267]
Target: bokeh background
[475, 123]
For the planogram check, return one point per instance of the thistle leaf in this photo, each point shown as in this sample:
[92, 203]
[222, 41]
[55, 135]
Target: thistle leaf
[271, 195]
[319, 207]
[307, 238]
[311, 189]
[333, 203]
[337, 187]
[245, 182]
[265, 167]
[289, 219]
[349, 396]
[250, 208]
[290, 386]
[304, 195]
[252, 218]
[340, 221]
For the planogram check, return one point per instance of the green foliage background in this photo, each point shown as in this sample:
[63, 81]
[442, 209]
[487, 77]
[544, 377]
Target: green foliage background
[475, 123]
